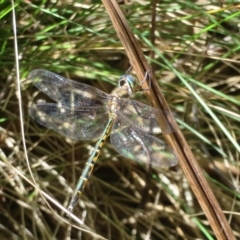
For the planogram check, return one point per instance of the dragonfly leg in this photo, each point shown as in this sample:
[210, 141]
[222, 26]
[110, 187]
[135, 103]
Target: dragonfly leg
[129, 69]
[147, 76]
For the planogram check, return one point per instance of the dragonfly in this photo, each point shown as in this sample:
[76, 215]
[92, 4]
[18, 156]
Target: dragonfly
[83, 112]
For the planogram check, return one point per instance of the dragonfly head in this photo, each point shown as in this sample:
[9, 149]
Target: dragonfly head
[128, 82]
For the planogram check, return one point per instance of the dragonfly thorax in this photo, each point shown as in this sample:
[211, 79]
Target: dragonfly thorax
[112, 105]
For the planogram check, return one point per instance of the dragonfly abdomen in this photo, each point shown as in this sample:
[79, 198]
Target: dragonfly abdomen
[86, 173]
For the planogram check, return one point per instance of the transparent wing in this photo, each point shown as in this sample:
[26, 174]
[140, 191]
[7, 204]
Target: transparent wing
[65, 91]
[144, 116]
[82, 125]
[140, 146]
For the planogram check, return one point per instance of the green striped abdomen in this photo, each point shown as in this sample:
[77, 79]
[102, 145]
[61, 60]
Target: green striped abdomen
[87, 171]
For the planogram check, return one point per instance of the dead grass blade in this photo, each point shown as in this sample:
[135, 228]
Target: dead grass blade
[187, 161]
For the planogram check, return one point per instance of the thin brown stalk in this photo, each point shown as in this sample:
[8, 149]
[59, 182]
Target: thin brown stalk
[187, 161]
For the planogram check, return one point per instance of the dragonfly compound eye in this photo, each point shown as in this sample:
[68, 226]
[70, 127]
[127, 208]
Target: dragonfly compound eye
[129, 82]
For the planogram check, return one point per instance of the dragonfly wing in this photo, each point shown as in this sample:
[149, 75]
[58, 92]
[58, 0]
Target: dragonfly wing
[82, 125]
[65, 91]
[140, 146]
[144, 116]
